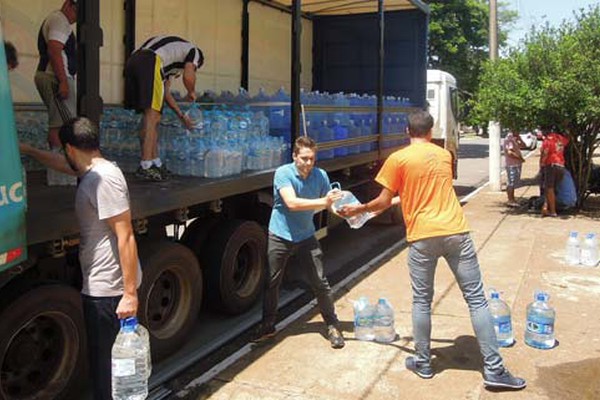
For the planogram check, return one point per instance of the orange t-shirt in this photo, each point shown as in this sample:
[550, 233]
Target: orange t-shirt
[421, 174]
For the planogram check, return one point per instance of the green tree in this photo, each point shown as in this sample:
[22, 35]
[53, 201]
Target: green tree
[552, 80]
[458, 37]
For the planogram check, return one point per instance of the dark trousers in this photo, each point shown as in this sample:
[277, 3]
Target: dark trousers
[102, 327]
[310, 256]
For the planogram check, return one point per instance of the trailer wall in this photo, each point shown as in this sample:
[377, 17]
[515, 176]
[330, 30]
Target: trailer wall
[214, 25]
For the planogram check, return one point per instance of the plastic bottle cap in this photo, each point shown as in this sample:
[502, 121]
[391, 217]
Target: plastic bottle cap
[129, 324]
[573, 234]
[494, 295]
[541, 296]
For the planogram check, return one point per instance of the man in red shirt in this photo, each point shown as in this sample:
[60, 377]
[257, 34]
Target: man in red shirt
[552, 164]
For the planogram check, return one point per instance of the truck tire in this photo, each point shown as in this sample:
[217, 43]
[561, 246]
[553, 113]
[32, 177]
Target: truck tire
[42, 345]
[235, 265]
[170, 295]
[196, 234]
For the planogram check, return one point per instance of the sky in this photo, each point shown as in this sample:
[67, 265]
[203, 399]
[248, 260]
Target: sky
[535, 12]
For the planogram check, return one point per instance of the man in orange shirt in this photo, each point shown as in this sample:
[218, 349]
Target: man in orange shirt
[421, 174]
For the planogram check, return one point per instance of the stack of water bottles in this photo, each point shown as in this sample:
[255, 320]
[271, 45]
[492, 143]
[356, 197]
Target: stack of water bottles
[539, 324]
[584, 252]
[374, 322]
[357, 221]
[131, 364]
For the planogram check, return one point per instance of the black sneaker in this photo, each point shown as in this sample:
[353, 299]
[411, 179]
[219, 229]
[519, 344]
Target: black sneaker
[421, 370]
[164, 171]
[503, 379]
[335, 337]
[150, 174]
[265, 334]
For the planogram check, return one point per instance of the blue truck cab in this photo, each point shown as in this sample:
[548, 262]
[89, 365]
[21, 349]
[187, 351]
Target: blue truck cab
[13, 203]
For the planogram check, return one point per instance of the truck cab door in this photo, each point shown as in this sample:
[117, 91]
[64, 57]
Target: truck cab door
[13, 202]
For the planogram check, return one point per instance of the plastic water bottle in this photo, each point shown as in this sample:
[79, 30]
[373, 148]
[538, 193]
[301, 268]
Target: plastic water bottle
[589, 250]
[356, 221]
[129, 363]
[539, 331]
[364, 314]
[502, 321]
[573, 251]
[383, 323]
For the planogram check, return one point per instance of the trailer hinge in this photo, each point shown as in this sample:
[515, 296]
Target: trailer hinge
[182, 214]
[56, 248]
[140, 226]
[216, 206]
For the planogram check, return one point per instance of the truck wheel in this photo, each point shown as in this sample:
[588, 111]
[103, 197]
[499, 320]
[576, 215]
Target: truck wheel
[170, 295]
[42, 345]
[196, 234]
[235, 265]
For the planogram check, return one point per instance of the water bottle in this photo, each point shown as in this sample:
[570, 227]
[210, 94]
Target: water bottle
[539, 331]
[573, 251]
[129, 363]
[363, 319]
[145, 335]
[502, 321]
[383, 323]
[356, 221]
[589, 251]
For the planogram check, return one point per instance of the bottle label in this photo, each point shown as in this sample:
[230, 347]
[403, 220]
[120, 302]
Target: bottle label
[504, 326]
[540, 328]
[123, 367]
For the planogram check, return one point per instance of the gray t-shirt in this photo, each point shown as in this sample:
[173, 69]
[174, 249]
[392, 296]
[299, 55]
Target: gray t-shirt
[102, 194]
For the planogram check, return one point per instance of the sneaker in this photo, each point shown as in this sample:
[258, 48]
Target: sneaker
[504, 379]
[265, 333]
[335, 337]
[164, 171]
[150, 174]
[422, 371]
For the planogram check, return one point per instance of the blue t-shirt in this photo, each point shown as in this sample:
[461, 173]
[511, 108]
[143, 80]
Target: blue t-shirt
[296, 226]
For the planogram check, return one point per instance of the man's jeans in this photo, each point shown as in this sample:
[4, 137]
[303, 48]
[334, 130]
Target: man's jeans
[459, 252]
[310, 256]
[102, 327]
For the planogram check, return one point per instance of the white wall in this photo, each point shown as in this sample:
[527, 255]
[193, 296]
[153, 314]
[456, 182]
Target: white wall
[214, 25]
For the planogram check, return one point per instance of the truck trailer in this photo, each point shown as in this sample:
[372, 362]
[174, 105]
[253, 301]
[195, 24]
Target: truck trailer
[200, 240]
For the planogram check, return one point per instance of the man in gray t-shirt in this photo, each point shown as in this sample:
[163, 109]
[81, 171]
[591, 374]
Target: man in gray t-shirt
[107, 251]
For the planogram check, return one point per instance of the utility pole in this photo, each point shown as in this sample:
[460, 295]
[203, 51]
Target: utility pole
[494, 126]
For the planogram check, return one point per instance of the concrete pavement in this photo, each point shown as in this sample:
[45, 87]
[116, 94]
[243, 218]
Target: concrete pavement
[519, 252]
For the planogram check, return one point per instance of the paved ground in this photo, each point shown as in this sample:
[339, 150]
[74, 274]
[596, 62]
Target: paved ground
[519, 253]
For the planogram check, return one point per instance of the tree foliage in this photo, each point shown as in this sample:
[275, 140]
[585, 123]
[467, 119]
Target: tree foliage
[458, 37]
[552, 80]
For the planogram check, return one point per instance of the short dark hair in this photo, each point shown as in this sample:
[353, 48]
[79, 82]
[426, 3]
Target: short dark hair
[11, 55]
[419, 123]
[80, 133]
[304, 141]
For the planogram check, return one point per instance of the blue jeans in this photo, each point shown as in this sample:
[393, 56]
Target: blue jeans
[459, 252]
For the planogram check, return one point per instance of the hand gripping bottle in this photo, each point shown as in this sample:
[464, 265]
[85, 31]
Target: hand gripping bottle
[129, 363]
[502, 321]
[356, 221]
[539, 331]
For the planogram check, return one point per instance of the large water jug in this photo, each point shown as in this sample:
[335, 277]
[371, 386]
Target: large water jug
[356, 221]
[539, 331]
[145, 335]
[364, 314]
[383, 323]
[502, 321]
[573, 250]
[589, 250]
[129, 363]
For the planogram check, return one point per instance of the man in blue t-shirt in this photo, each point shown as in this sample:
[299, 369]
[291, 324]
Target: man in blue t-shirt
[299, 191]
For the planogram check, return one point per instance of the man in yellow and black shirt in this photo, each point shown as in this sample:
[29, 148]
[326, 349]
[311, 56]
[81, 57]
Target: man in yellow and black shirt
[148, 74]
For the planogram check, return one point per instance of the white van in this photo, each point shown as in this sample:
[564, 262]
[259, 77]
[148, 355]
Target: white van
[442, 96]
